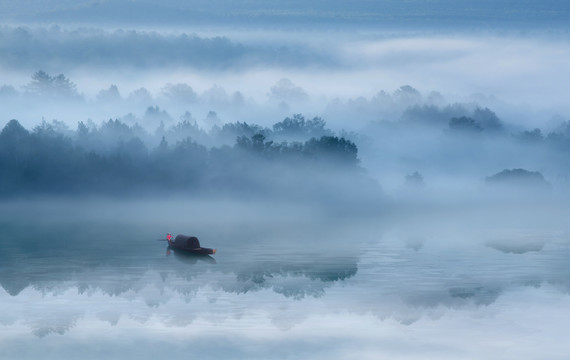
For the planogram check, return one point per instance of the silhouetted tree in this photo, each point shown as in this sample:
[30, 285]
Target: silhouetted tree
[560, 137]
[433, 115]
[464, 124]
[231, 131]
[518, 177]
[533, 137]
[186, 127]
[285, 90]
[141, 96]
[111, 95]
[180, 92]
[298, 127]
[332, 148]
[163, 146]
[13, 133]
[154, 115]
[487, 119]
[15, 142]
[407, 94]
[133, 148]
[45, 85]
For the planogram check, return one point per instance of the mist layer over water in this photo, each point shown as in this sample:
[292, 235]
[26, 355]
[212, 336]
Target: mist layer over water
[91, 273]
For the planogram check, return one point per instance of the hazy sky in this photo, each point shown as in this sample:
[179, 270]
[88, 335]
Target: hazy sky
[391, 13]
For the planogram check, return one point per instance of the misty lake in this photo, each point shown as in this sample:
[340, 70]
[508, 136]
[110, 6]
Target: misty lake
[381, 179]
[88, 279]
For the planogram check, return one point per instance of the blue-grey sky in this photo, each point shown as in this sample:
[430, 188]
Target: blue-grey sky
[409, 14]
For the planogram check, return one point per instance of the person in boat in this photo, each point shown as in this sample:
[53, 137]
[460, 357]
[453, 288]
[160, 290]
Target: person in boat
[189, 243]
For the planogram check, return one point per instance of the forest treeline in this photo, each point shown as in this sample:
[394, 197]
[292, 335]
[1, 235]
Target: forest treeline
[115, 158]
[410, 110]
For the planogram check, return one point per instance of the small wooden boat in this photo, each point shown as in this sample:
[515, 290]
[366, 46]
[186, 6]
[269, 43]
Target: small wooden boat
[189, 244]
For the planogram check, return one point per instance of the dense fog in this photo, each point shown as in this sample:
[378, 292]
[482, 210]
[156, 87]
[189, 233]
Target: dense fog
[381, 179]
[416, 144]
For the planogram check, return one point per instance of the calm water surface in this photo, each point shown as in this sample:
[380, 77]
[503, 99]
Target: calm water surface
[90, 280]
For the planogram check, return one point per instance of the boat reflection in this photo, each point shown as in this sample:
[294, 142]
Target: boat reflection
[188, 257]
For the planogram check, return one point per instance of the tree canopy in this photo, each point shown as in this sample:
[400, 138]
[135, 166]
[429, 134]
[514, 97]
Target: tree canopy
[114, 158]
[46, 85]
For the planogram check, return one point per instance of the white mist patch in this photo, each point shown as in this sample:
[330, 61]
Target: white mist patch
[510, 67]
[524, 323]
[509, 70]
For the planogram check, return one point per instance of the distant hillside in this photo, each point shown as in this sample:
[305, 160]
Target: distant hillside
[518, 177]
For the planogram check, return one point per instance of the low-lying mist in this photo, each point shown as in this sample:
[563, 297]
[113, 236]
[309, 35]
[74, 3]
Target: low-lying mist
[428, 149]
[408, 139]
[288, 261]
[256, 76]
